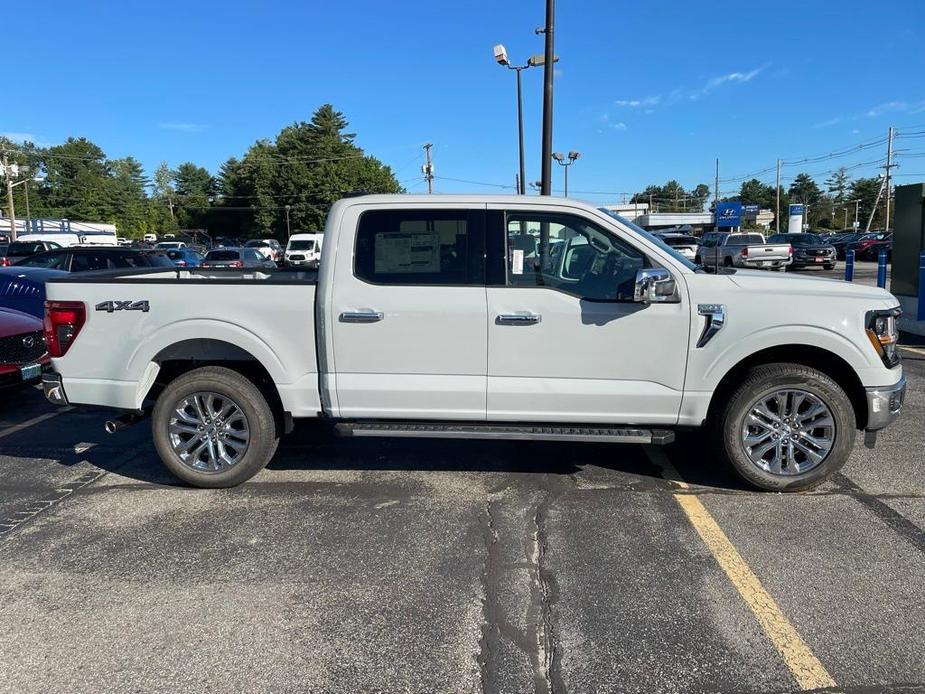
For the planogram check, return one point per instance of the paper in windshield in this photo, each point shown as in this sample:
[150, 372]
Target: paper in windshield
[417, 251]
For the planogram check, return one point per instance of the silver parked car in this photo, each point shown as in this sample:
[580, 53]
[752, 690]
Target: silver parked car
[237, 257]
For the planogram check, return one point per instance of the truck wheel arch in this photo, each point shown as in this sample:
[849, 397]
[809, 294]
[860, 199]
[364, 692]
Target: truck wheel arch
[185, 355]
[819, 358]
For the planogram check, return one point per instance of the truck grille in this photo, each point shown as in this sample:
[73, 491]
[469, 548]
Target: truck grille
[23, 348]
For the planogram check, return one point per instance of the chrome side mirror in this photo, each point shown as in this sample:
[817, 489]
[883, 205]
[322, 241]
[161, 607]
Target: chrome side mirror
[655, 286]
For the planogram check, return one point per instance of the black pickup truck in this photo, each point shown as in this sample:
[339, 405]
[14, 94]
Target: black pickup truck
[809, 250]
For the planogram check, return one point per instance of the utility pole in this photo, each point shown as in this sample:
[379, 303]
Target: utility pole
[9, 196]
[428, 169]
[549, 66]
[716, 191]
[777, 198]
[889, 165]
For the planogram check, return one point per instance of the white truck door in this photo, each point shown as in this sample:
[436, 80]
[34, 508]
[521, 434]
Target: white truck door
[409, 315]
[566, 342]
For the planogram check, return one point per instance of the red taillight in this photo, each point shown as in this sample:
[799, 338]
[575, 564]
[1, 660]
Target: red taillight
[180, 263]
[790, 249]
[63, 320]
[237, 263]
[744, 252]
[5, 262]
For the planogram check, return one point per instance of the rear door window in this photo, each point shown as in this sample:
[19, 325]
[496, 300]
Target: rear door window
[421, 247]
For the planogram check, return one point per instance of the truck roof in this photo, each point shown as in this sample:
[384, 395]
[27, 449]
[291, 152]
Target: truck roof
[464, 198]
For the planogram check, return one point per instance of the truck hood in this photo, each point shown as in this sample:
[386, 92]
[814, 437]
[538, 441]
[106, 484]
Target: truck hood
[779, 283]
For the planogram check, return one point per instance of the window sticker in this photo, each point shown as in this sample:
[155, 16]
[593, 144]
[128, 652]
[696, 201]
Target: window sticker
[397, 252]
[517, 262]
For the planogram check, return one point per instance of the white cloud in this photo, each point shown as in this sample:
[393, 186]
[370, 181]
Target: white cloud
[829, 123]
[618, 126]
[730, 77]
[183, 127]
[646, 102]
[855, 131]
[888, 107]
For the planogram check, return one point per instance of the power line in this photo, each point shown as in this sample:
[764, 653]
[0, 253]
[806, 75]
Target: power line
[809, 159]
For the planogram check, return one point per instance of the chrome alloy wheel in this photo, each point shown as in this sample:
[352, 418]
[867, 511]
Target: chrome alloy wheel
[788, 432]
[208, 432]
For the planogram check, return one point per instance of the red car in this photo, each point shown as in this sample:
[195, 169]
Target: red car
[22, 348]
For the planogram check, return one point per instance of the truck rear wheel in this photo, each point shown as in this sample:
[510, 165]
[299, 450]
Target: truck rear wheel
[787, 427]
[212, 427]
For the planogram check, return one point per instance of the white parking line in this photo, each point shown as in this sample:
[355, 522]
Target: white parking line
[35, 420]
[913, 350]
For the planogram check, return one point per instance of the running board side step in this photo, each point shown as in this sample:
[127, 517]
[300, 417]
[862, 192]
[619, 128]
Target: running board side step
[516, 432]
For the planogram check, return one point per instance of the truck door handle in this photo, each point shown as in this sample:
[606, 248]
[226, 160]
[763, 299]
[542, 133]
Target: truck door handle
[366, 316]
[522, 318]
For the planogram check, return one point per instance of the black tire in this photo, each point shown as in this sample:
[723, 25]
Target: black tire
[830, 266]
[727, 262]
[261, 425]
[728, 424]
[698, 260]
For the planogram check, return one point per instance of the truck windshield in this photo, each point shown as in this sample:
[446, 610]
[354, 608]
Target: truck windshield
[651, 238]
[298, 245]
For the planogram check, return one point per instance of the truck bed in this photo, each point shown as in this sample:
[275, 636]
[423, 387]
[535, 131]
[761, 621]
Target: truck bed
[138, 320]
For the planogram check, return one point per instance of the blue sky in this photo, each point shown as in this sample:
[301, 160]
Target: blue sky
[645, 91]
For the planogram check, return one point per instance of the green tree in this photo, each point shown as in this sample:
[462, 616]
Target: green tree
[164, 191]
[131, 206]
[195, 189]
[866, 190]
[77, 181]
[309, 166]
[838, 185]
[804, 190]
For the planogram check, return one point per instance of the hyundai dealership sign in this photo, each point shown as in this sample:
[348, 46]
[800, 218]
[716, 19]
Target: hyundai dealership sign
[728, 214]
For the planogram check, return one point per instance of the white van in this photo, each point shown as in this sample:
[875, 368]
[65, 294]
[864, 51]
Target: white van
[304, 250]
[62, 238]
[150, 238]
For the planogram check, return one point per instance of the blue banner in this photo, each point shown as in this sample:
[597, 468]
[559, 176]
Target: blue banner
[751, 210]
[728, 214]
[796, 209]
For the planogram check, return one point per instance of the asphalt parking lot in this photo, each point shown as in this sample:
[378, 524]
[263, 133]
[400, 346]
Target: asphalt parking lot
[428, 566]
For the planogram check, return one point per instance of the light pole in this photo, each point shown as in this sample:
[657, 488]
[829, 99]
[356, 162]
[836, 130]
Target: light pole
[502, 59]
[9, 171]
[548, 30]
[288, 232]
[560, 159]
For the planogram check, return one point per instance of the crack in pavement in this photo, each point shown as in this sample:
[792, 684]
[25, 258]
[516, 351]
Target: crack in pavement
[534, 634]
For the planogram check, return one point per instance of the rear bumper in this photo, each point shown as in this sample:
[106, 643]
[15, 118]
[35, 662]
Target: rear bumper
[761, 263]
[53, 388]
[884, 404]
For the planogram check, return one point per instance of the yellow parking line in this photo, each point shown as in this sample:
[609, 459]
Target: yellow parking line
[913, 349]
[806, 668]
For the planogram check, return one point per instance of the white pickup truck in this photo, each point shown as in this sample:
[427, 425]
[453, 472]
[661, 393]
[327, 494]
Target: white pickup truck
[481, 317]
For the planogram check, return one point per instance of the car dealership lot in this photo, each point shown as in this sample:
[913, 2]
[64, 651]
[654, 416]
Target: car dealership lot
[400, 565]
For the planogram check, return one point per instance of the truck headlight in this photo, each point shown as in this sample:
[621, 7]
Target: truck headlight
[883, 334]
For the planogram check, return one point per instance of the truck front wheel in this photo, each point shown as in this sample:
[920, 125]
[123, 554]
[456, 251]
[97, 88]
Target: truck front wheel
[786, 427]
[212, 427]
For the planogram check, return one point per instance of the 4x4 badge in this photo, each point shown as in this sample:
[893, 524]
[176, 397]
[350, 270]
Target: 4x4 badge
[110, 306]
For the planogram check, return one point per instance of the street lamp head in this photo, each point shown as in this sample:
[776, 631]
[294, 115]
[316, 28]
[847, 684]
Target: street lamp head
[501, 55]
[540, 59]
[288, 207]
[558, 156]
[573, 155]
